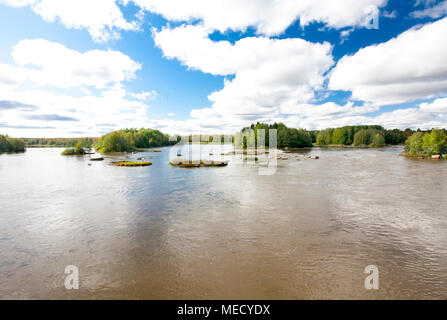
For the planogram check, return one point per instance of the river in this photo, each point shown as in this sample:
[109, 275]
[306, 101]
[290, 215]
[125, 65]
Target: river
[159, 232]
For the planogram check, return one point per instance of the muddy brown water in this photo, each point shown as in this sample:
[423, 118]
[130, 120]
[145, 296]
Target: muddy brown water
[159, 232]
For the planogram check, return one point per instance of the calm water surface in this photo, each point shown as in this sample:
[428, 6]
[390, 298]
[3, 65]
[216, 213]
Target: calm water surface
[159, 232]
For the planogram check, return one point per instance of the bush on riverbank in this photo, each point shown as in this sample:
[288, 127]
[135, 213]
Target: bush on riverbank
[8, 144]
[426, 144]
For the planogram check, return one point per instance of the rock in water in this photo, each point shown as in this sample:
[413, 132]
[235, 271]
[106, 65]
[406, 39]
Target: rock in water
[185, 163]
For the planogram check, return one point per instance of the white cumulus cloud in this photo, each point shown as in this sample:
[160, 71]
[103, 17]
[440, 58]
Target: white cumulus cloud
[407, 68]
[49, 63]
[267, 73]
[433, 12]
[103, 19]
[439, 105]
[268, 17]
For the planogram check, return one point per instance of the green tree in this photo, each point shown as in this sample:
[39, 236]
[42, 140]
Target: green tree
[361, 138]
[365, 137]
[324, 137]
[434, 143]
[413, 145]
[379, 141]
[339, 136]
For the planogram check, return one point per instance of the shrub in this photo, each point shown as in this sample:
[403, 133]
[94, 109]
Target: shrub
[428, 144]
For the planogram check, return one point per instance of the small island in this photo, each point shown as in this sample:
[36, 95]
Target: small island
[80, 149]
[132, 140]
[427, 145]
[9, 145]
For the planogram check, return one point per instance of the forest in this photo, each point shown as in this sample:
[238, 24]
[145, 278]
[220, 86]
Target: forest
[359, 136]
[57, 142]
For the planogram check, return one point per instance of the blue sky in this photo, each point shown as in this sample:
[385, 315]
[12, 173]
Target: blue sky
[70, 68]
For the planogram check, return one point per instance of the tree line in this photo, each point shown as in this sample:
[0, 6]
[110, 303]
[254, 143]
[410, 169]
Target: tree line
[421, 142]
[424, 143]
[8, 144]
[366, 135]
[58, 142]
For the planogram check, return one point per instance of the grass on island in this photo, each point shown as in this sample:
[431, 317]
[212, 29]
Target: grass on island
[133, 164]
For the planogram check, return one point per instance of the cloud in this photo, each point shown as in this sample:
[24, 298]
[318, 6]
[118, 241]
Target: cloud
[412, 118]
[144, 95]
[18, 3]
[103, 19]
[50, 117]
[267, 17]
[407, 68]
[390, 15]
[43, 67]
[331, 115]
[90, 114]
[11, 76]
[8, 126]
[9, 105]
[267, 73]
[439, 105]
[434, 12]
[48, 63]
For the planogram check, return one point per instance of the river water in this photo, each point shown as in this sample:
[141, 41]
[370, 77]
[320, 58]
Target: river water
[160, 232]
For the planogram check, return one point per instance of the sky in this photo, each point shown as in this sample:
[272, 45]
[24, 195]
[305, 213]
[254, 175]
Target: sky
[72, 68]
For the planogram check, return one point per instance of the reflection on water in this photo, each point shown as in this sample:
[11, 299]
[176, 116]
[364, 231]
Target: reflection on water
[162, 232]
